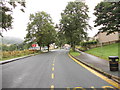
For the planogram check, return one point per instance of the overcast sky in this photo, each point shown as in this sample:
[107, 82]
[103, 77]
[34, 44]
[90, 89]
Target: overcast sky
[52, 7]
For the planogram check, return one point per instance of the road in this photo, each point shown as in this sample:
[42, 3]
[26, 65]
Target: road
[49, 70]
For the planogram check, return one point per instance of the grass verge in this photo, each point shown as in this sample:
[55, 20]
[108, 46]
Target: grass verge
[74, 53]
[105, 51]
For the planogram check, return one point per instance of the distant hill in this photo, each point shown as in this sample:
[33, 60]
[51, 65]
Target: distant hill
[11, 40]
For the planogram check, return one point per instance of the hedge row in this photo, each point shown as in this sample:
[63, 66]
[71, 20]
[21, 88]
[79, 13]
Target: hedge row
[88, 43]
[8, 54]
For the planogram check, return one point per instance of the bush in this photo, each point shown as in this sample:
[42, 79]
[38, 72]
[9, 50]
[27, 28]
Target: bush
[88, 44]
[10, 54]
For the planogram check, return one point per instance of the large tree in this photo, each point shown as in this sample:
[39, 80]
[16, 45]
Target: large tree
[40, 29]
[60, 39]
[6, 8]
[74, 22]
[48, 35]
[108, 17]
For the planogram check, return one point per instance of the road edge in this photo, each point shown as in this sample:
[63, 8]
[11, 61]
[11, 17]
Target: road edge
[104, 74]
[115, 78]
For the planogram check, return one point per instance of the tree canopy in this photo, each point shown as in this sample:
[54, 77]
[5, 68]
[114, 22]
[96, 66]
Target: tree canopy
[6, 18]
[74, 22]
[108, 16]
[40, 29]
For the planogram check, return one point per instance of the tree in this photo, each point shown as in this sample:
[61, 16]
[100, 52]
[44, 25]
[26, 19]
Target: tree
[40, 29]
[60, 38]
[108, 16]
[5, 13]
[5, 47]
[13, 47]
[75, 22]
[49, 35]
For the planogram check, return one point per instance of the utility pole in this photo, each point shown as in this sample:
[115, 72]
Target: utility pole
[101, 44]
[1, 49]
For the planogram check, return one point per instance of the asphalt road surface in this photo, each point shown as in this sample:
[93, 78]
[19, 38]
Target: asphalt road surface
[49, 70]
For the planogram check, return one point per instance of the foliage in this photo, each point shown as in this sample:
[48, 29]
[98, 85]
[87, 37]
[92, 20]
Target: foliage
[5, 13]
[9, 48]
[13, 47]
[4, 47]
[88, 43]
[13, 54]
[74, 22]
[40, 29]
[60, 39]
[105, 51]
[108, 16]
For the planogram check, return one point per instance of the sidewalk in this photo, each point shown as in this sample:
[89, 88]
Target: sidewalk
[98, 63]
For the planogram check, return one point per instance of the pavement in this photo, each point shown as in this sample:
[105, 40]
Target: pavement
[50, 70]
[98, 63]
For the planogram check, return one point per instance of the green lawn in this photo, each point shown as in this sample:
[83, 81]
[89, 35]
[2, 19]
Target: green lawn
[105, 51]
[74, 53]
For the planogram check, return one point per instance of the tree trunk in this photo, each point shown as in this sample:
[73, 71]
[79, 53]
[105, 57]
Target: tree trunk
[48, 47]
[73, 46]
[40, 48]
[39, 44]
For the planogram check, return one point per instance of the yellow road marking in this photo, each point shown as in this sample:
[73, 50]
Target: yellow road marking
[52, 86]
[52, 68]
[97, 74]
[93, 87]
[107, 87]
[75, 88]
[53, 64]
[52, 75]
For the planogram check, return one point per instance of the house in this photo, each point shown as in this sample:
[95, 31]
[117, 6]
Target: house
[102, 37]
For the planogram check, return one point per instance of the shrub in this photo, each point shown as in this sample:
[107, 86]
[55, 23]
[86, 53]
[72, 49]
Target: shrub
[9, 54]
[88, 44]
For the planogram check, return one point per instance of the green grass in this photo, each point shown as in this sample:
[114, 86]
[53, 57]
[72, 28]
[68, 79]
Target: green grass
[105, 51]
[74, 53]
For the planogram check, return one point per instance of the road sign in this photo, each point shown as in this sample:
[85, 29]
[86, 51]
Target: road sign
[33, 45]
